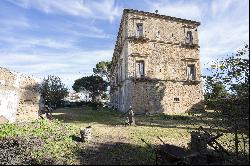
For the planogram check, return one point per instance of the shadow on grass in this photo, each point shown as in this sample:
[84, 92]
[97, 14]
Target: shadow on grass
[119, 153]
[76, 138]
[115, 153]
[106, 116]
[111, 117]
[86, 114]
[177, 121]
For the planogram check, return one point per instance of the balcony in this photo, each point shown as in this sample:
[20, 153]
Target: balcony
[137, 38]
[189, 44]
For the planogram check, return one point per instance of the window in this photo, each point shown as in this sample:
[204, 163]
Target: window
[158, 34]
[191, 72]
[116, 80]
[139, 69]
[176, 99]
[121, 72]
[189, 38]
[139, 30]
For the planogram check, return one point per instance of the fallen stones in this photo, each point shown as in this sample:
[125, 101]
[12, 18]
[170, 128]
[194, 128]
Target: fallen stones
[3, 120]
[86, 134]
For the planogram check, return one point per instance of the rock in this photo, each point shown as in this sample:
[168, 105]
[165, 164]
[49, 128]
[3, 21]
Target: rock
[3, 120]
[86, 134]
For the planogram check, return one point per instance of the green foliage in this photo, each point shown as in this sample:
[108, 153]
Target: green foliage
[48, 140]
[105, 96]
[9, 130]
[103, 69]
[45, 142]
[229, 82]
[53, 90]
[227, 91]
[95, 85]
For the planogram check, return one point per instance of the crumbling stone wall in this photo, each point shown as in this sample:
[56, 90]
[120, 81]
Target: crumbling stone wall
[19, 96]
[166, 54]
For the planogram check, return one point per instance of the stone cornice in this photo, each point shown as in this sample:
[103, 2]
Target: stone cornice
[161, 16]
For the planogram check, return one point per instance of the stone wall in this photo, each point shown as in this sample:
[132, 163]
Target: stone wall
[156, 96]
[19, 96]
[166, 55]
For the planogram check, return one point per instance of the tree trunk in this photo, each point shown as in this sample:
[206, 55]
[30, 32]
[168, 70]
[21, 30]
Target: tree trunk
[95, 98]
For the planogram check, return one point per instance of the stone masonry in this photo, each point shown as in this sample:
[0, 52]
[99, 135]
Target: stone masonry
[19, 96]
[156, 64]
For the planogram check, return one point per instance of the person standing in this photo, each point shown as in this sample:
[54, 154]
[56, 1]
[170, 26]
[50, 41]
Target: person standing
[131, 118]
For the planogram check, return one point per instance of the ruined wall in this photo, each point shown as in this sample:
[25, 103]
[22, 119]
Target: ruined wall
[28, 106]
[19, 97]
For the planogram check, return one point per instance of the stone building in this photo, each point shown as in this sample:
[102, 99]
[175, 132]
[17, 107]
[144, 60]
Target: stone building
[19, 96]
[156, 64]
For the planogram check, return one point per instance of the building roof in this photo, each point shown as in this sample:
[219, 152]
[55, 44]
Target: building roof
[160, 16]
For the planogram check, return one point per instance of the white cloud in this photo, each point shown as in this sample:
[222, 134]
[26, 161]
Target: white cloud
[221, 6]
[224, 31]
[83, 30]
[14, 23]
[182, 9]
[69, 65]
[29, 42]
[224, 28]
[106, 9]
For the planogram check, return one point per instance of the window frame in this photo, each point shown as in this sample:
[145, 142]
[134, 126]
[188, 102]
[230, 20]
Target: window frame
[176, 99]
[138, 70]
[139, 32]
[189, 37]
[191, 75]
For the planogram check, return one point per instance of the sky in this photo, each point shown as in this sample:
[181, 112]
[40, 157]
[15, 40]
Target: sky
[67, 38]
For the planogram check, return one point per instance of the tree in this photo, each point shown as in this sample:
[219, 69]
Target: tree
[229, 81]
[93, 84]
[103, 69]
[53, 90]
[214, 91]
[227, 91]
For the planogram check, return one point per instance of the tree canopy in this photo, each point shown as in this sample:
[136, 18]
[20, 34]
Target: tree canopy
[227, 88]
[93, 84]
[103, 69]
[53, 90]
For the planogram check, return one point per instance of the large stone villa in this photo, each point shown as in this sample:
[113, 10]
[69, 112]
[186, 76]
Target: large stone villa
[156, 64]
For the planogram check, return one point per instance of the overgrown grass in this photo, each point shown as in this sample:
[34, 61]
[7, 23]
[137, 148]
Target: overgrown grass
[54, 136]
[112, 142]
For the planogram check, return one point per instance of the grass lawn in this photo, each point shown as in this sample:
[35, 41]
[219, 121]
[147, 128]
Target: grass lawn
[113, 142]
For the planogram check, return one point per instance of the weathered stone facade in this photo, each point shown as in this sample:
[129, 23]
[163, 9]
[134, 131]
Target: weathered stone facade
[156, 64]
[19, 96]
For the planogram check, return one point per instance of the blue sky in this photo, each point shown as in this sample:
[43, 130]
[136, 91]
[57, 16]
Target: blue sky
[68, 37]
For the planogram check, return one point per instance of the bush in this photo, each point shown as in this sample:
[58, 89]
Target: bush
[39, 142]
[17, 150]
